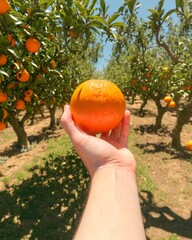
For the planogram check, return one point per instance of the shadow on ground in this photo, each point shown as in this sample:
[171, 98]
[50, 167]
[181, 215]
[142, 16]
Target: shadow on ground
[50, 203]
[163, 217]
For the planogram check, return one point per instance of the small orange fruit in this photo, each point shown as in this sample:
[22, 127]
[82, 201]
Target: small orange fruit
[3, 97]
[172, 104]
[189, 145]
[28, 92]
[11, 40]
[144, 88]
[72, 33]
[32, 45]
[168, 99]
[5, 113]
[27, 98]
[11, 85]
[97, 106]
[2, 125]
[165, 69]
[20, 105]
[23, 75]
[4, 7]
[3, 59]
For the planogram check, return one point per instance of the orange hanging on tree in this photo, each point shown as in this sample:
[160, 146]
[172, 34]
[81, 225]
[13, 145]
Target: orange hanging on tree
[23, 75]
[2, 125]
[3, 96]
[3, 59]
[4, 7]
[32, 45]
[97, 106]
[20, 105]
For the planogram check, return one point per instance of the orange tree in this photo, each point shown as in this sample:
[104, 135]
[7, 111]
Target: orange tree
[152, 62]
[43, 42]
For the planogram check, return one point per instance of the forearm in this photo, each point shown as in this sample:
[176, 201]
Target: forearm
[113, 210]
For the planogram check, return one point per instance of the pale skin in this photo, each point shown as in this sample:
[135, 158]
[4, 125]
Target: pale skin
[112, 211]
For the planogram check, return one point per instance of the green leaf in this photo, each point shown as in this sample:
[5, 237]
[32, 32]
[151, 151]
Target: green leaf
[13, 53]
[103, 6]
[131, 5]
[160, 5]
[81, 8]
[167, 14]
[99, 19]
[113, 17]
[118, 24]
[93, 4]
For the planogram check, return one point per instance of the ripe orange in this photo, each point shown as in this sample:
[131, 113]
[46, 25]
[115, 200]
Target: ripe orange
[11, 85]
[27, 98]
[4, 7]
[72, 33]
[2, 125]
[97, 106]
[23, 75]
[28, 92]
[172, 104]
[144, 88]
[5, 113]
[189, 145]
[32, 45]
[11, 40]
[3, 59]
[3, 97]
[168, 99]
[20, 105]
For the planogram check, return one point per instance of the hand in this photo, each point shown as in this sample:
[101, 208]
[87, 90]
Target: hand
[108, 150]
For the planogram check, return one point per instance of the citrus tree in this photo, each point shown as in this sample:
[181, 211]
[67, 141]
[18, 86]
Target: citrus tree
[151, 59]
[45, 50]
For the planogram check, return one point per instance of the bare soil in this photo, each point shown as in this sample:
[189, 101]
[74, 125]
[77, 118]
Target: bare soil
[167, 212]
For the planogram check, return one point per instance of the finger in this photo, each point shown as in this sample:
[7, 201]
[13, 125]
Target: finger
[69, 125]
[123, 138]
[114, 135]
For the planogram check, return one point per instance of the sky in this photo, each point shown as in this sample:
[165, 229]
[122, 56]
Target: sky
[142, 12]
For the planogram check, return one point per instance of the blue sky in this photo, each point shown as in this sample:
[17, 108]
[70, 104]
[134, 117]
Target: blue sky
[143, 12]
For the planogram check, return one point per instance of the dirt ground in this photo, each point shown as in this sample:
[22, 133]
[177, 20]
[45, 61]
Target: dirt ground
[166, 214]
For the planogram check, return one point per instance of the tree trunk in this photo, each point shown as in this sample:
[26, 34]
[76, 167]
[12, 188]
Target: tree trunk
[52, 111]
[161, 111]
[182, 118]
[141, 113]
[18, 127]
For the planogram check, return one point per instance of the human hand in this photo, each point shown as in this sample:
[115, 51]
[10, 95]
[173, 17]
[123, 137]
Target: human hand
[110, 150]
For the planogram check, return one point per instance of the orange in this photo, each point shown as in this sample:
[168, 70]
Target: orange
[4, 7]
[72, 33]
[23, 75]
[144, 88]
[97, 106]
[32, 45]
[3, 59]
[5, 113]
[168, 99]
[11, 85]
[11, 40]
[27, 98]
[20, 105]
[172, 104]
[3, 97]
[28, 92]
[2, 125]
[189, 145]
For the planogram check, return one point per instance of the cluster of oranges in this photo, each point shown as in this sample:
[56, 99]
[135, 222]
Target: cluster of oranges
[169, 101]
[32, 45]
